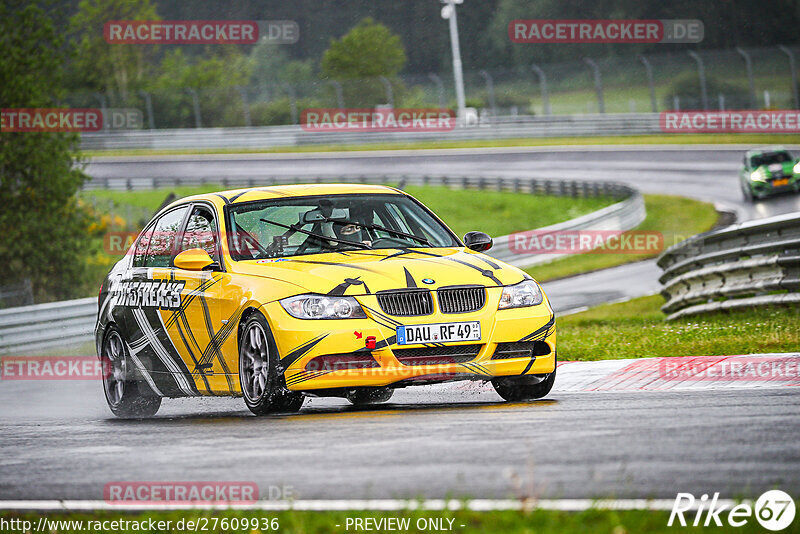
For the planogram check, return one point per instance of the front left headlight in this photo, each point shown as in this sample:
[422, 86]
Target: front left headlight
[796, 168]
[526, 293]
[323, 307]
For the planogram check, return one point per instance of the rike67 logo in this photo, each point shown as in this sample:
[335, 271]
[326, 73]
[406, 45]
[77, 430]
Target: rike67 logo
[774, 510]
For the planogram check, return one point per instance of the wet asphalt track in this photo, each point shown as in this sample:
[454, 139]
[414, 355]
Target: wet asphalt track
[58, 440]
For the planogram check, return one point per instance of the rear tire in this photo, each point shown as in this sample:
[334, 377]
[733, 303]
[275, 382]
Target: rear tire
[127, 398]
[260, 373]
[521, 388]
[367, 396]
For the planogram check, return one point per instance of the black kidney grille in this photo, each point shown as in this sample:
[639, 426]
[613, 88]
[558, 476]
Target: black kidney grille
[406, 303]
[461, 299]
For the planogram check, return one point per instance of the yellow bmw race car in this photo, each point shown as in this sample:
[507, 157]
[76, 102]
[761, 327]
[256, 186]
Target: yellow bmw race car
[278, 293]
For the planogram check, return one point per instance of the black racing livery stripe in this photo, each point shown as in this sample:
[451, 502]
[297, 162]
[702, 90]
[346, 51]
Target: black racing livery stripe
[541, 332]
[297, 353]
[340, 290]
[528, 367]
[486, 260]
[335, 264]
[234, 197]
[189, 298]
[410, 282]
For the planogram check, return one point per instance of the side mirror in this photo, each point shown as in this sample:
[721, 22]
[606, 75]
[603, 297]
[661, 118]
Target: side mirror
[194, 259]
[478, 241]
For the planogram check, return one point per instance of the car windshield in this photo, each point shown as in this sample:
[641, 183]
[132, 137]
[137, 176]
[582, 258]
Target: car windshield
[312, 225]
[769, 159]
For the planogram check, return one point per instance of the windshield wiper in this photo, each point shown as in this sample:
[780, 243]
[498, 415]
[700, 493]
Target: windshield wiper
[383, 229]
[320, 237]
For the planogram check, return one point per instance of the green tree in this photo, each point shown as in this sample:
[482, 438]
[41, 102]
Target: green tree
[43, 227]
[101, 66]
[368, 50]
[215, 77]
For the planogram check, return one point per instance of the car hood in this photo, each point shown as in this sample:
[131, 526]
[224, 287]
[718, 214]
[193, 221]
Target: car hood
[370, 271]
[780, 169]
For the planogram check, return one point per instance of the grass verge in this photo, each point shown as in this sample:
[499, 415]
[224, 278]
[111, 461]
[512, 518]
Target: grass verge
[677, 218]
[637, 329]
[660, 139]
[466, 522]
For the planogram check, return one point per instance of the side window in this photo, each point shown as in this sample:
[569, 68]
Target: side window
[201, 232]
[140, 249]
[162, 241]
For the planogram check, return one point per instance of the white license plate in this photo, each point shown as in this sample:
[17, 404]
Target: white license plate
[439, 333]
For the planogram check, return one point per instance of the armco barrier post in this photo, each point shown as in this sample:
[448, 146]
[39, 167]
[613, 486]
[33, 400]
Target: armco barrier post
[543, 87]
[701, 73]
[598, 84]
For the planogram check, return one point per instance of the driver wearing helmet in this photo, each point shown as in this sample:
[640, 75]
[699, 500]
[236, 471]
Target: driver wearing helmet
[354, 232]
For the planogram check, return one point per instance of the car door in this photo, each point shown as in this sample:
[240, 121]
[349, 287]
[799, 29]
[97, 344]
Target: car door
[204, 329]
[150, 294]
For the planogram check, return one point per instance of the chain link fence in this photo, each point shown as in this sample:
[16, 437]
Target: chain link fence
[757, 78]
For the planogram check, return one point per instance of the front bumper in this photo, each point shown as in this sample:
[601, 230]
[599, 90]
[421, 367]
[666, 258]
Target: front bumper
[300, 341]
[764, 189]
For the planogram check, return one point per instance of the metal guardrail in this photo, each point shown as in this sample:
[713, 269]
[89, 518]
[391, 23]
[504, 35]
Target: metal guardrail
[66, 323]
[30, 328]
[282, 136]
[755, 263]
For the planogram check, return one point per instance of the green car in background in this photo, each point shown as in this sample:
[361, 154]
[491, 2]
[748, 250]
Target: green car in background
[768, 171]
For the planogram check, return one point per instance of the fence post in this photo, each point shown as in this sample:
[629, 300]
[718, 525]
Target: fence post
[701, 73]
[149, 105]
[292, 101]
[198, 123]
[245, 105]
[389, 93]
[490, 90]
[339, 94]
[543, 86]
[649, 70]
[598, 84]
[440, 87]
[748, 65]
[793, 71]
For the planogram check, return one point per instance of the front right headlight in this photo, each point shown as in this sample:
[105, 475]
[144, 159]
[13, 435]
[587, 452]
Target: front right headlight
[526, 293]
[758, 176]
[323, 307]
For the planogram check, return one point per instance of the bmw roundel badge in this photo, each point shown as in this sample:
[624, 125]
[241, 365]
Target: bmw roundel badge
[428, 281]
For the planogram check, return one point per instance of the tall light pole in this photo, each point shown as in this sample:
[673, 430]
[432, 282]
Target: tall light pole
[449, 13]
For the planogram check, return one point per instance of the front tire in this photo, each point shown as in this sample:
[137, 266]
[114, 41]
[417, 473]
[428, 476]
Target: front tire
[260, 373]
[126, 397]
[747, 193]
[522, 388]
